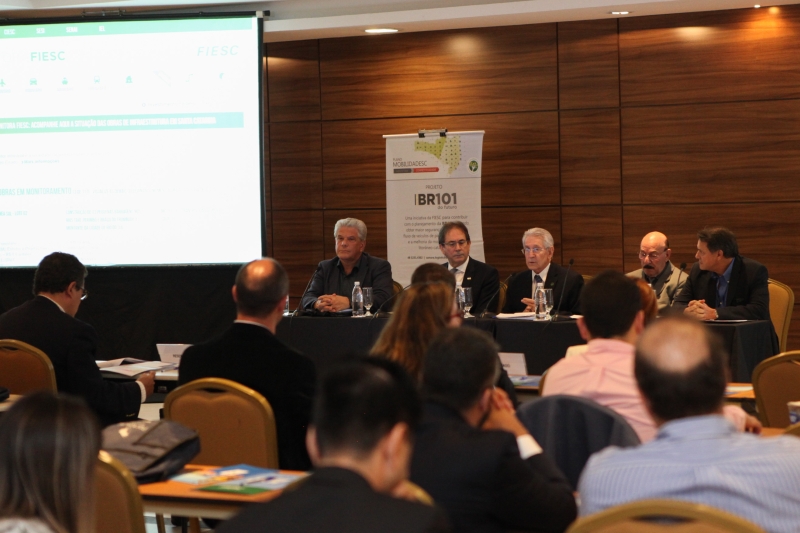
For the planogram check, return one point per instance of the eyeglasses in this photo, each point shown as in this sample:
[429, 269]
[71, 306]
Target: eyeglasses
[453, 244]
[85, 293]
[652, 255]
[535, 250]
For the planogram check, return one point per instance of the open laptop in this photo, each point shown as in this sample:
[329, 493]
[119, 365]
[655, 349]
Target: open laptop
[171, 353]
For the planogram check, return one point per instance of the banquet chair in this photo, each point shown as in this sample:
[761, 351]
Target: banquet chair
[24, 368]
[501, 298]
[118, 505]
[794, 429]
[776, 381]
[781, 305]
[397, 288]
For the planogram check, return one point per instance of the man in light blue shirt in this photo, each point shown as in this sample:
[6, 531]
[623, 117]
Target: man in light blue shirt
[697, 455]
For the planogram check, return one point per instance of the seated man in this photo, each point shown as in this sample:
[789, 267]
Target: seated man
[332, 285]
[538, 248]
[472, 454]
[698, 456]
[454, 242]
[360, 442]
[723, 284]
[250, 353]
[657, 270]
[48, 323]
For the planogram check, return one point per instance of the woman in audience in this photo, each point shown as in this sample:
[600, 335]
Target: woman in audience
[649, 300]
[48, 451]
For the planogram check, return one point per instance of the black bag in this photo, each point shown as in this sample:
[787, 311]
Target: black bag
[153, 450]
[4, 394]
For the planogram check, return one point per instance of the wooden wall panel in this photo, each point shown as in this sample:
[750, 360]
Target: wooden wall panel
[520, 154]
[298, 245]
[590, 157]
[267, 177]
[593, 237]
[480, 70]
[588, 64]
[293, 78]
[746, 54]
[375, 219]
[734, 152]
[296, 165]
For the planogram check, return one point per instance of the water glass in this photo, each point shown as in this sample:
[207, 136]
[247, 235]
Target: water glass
[467, 291]
[367, 291]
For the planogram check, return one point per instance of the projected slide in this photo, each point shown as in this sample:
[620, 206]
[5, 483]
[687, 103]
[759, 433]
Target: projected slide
[130, 142]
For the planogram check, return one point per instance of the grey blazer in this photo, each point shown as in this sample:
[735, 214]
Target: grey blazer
[671, 287]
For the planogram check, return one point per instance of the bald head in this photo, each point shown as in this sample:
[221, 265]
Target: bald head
[260, 286]
[681, 369]
[654, 253]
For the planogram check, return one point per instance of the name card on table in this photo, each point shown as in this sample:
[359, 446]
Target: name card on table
[514, 363]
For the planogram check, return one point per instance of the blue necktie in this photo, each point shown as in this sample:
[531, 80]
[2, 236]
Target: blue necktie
[722, 291]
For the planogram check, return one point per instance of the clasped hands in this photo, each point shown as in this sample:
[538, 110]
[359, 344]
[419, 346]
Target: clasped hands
[699, 310]
[331, 303]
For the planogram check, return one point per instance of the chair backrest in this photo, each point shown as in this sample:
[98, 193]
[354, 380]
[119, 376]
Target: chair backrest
[776, 381]
[24, 368]
[396, 288]
[501, 298]
[118, 505]
[794, 429]
[781, 305]
[235, 423]
[586, 278]
[694, 517]
[570, 429]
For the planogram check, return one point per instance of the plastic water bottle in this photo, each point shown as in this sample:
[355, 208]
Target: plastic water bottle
[357, 300]
[540, 302]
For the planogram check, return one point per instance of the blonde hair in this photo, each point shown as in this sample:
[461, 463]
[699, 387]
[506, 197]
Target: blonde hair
[422, 311]
[649, 301]
[48, 452]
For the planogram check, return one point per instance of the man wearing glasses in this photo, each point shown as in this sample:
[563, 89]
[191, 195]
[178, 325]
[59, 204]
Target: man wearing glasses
[538, 248]
[48, 323]
[454, 242]
[658, 270]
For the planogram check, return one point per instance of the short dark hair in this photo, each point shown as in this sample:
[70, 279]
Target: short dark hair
[56, 271]
[460, 364]
[609, 303]
[698, 391]
[433, 272]
[360, 401]
[456, 224]
[258, 295]
[719, 238]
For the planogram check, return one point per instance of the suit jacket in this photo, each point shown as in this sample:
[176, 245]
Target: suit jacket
[672, 286]
[521, 286]
[485, 282]
[748, 292]
[481, 480]
[251, 355]
[71, 345]
[373, 272]
[336, 500]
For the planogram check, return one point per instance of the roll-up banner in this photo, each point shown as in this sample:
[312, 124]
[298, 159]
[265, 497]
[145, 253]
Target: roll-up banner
[430, 180]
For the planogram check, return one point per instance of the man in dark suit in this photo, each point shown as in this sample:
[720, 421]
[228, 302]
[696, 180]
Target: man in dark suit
[360, 442]
[332, 285]
[473, 455]
[250, 353]
[723, 284]
[538, 247]
[454, 242]
[48, 323]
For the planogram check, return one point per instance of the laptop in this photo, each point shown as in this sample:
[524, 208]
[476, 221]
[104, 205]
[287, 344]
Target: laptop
[171, 353]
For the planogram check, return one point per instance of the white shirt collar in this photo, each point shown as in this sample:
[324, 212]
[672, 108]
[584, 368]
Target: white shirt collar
[462, 268]
[55, 302]
[543, 273]
[251, 323]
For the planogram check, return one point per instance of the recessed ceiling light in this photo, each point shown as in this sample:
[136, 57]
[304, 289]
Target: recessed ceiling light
[381, 30]
[757, 6]
[620, 12]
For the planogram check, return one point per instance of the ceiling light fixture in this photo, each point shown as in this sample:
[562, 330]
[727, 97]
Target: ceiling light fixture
[757, 6]
[381, 30]
[620, 12]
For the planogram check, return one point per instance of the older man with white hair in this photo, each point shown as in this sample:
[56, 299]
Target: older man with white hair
[657, 269]
[333, 282]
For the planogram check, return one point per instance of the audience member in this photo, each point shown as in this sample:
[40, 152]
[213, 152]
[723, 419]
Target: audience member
[250, 353]
[432, 272]
[538, 248]
[332, 285]
[48, 323]
[48, 453]
[454, 242]
[698, 456]
[360, 443]
[657, 269]
[473, 455]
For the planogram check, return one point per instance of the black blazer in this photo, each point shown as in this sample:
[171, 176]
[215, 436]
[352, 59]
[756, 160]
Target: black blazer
[485, 282]
[336, 500]
[72, 347]
[377, 273]
[748, 292]
[521, 286]
[481, 480]
[251, 355]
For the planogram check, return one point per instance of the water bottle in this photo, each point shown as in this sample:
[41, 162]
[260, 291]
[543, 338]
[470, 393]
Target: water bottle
[540, 302]
[358, 300]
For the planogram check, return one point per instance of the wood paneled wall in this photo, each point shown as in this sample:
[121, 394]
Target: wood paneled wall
[599, 131]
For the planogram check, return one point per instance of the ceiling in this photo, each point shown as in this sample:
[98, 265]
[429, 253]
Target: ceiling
[313, 19]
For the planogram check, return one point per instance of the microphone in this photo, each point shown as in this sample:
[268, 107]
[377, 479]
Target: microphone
[298, 312]
[483, 313]
[563, 290]
[674, 294]
[392, 297]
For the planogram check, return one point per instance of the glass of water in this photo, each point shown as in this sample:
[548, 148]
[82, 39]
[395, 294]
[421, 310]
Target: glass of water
[367, 292]
[548, 301]
[467, 301]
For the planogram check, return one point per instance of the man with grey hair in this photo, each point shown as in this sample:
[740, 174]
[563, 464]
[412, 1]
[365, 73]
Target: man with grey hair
[334, 279]
[538, 248]
[249, 353]
[657, 270]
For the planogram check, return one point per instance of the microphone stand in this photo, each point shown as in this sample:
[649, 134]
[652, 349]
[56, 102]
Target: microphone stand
[563, 290]
[297, 311]
[486, 310]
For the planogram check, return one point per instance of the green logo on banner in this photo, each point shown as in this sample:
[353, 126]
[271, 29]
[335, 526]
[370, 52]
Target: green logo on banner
[473, 165]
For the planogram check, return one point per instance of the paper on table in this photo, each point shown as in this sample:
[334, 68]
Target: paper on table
[730, 321]
[118, 362]
[137, 368]
[514, 363]
[516, 315]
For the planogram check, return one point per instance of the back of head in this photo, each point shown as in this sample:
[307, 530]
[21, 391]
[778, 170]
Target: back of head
[719, 238]
[421, 312]
[359, 402]
[681, 368]
[431, 273]
[649, 300]
[260, 286]
[609, 304]
[460, 364]
[48, 451]
[56, 271]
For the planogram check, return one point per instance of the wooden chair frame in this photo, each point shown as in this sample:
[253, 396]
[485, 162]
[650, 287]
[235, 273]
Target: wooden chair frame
[119, 471]
[783, 334]
[782, 358]
[38, 355]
